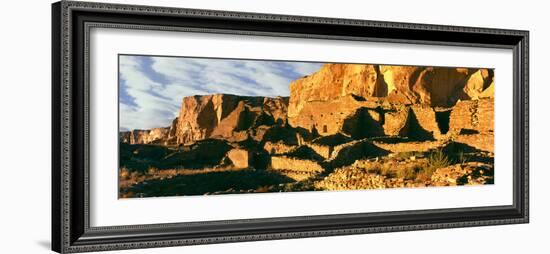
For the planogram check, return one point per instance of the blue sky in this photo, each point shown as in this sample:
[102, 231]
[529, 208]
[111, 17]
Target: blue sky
[152, 88]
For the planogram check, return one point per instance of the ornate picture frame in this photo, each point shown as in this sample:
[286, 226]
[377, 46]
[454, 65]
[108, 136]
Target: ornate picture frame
[71, 202]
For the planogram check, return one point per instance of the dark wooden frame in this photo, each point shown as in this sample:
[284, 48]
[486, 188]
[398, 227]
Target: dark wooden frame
[71, 22]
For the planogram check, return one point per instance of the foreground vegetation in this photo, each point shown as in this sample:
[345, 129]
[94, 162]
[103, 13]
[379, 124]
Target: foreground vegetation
[151, 171]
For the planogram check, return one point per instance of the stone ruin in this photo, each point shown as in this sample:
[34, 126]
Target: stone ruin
[332, 116]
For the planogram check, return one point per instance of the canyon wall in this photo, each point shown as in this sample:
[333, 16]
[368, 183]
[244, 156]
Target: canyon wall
[392, 100]
[356, 100]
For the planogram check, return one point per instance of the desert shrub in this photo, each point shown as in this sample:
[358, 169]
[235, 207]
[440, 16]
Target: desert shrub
[425, 174]
[408, 173]
[388, 170]
[438, 159]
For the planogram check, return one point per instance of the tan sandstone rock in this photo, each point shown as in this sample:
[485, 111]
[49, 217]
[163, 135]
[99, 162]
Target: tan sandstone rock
[295, 164]
[238, 157]
[222, 115]
[329, 117]
[473, 116]
[477, 85]
[154, 135]
[435, 86]
[333, 81]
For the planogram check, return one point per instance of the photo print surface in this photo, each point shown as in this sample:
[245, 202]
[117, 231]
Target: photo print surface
[207, 126]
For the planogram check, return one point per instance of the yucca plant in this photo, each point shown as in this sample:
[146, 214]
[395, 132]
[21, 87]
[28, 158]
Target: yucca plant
[437, 159]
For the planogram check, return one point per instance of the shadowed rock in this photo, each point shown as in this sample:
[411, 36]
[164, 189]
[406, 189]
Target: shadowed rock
[222, 115]
[349, 153]
[362, 125]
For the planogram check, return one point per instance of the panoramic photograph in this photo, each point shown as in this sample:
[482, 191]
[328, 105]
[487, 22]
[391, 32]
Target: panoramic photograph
[207, 126]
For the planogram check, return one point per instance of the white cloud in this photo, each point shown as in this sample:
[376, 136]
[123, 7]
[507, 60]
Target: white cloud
[148, 110]
[158, 84]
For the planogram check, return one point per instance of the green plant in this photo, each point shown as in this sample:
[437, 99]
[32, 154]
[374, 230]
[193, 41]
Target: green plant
[438, 159]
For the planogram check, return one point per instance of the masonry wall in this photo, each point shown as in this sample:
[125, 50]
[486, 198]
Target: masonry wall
[287, 163]
[473, 116]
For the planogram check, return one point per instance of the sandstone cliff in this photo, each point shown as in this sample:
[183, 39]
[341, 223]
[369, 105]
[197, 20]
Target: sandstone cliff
[357, 100]
[226, 116]
[347, 126]
[434, 86]
[218, 116]
[155, 135]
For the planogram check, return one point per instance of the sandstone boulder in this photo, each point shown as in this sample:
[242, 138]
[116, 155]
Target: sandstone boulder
[238, 157]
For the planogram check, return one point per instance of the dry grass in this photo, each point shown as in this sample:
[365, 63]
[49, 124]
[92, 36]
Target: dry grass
[419, 170]
[409, 173]
[437, 159]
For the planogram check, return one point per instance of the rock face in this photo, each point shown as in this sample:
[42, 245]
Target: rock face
[434, 86]
[333, 81]
[479, 85]
[340, 102]
[358, 100]
[201, 116]
[347, 126]
[375, 100]
[224, 115]
[152, 136]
